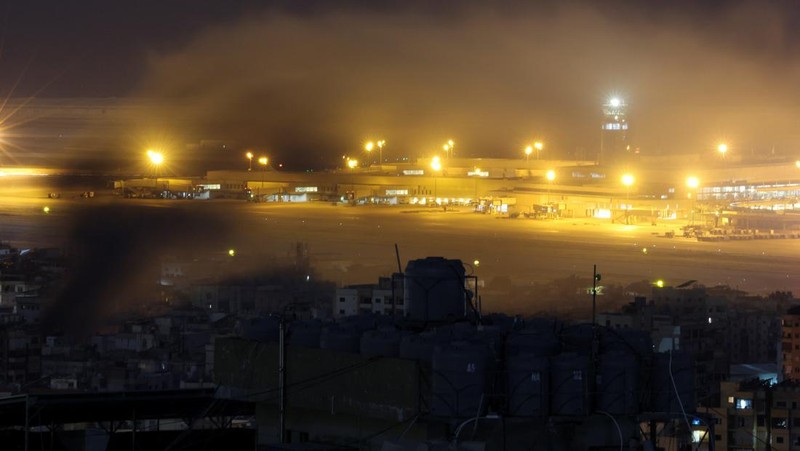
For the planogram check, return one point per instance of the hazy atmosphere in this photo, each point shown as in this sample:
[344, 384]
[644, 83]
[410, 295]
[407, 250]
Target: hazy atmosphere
[309, 81]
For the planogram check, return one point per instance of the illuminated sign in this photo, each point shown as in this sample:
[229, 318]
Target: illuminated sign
[478, 173]
[413, 172]
[210, 186]
[306, 189]
[397, 192]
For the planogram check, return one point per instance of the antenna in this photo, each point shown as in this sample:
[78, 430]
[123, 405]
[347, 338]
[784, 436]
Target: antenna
[397, 253]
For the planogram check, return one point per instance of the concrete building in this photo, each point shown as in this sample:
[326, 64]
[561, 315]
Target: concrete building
[369, 298]
[790, 344]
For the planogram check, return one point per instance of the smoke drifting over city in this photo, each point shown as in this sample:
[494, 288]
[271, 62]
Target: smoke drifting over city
[494, 76]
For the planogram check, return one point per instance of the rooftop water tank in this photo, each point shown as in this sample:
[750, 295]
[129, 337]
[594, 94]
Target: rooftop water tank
[338, 338]
[618, 383]
[384, 342]
[570, 385]
[434, 289]
[459, 380]
[305, 333]
[528, 385]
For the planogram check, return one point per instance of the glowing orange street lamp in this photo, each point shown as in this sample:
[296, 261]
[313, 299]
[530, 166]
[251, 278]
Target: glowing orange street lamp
[249, 156]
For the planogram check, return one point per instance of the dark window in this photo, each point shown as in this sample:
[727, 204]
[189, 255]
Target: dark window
[341, 312]
[779, 439]
[341, 299]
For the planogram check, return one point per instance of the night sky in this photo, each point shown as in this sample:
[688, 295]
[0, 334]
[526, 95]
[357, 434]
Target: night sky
[317, 78]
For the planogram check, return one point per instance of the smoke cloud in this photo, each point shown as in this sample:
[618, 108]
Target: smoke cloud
[309, 87]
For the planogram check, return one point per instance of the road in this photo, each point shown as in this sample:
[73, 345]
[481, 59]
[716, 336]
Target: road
[356, 244]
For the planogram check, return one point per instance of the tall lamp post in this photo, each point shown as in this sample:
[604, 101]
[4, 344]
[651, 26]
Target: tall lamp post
[551, 175]
[249, 156]
[692, 183]
[380, 144]
[628, 180]
[156, 159]
[450, 148]
[722, 148]
[263, 161]
[436, 165]
[538, 145]
[528, 152]
[368, 147]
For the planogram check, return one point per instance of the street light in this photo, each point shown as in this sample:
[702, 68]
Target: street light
[156, 159]
[436, 165]
[550, 176]
[368, 147]
[352, 164]
[722, 148]
[692, 182]
[628, 180]
[539, 146]
[450, 148]
[249, 156]
[381, 143]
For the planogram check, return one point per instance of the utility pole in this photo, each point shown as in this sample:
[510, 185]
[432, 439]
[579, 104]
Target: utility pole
[282, 381]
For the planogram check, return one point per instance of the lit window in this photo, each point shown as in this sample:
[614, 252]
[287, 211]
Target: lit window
[742, 403]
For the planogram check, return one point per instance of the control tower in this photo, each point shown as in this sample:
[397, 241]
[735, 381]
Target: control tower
[614, 146]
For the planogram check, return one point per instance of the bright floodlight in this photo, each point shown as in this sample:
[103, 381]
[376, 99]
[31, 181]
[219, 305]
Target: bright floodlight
[446, 147]
[249, 155]
[551, 175]
[263, 161]
[528, 150]
[232, 252]
[722, 148]
[615, 102]
[381, 143]
[692, 182]
[451, 143]
[797, 164]
[436, 164]
[368, 146]
[538, 145]
[352, 164]
[659, 283]
[628, 179]
[155, 157]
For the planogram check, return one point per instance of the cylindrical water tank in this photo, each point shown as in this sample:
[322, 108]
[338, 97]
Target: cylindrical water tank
[459, 380]
[380, 343]
[537, 343]
[421, 346]
[259, 329]
[528, 385]
[570, 385]
[577, 338]
[434, 289]
[665, 389]
[618, 383]
[305, 333]
[626, 340]
[340, 339]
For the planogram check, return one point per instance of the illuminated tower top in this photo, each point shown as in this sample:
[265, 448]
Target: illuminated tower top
[614, 114]
[614, 146]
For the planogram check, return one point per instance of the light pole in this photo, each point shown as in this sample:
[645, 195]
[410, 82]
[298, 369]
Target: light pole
[539, 146]
[156, 159]
[628, 180]
[263, 161]
[450, 148]
[249, 156]
[436, 165]
[551, 175]
[692, 182]
[722, 148]
[528, 152]
[381, 143]
[368, 147]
